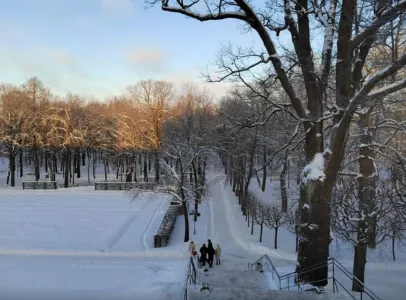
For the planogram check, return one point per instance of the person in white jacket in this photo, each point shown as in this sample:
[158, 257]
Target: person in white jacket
[218, 254]
[192, 251]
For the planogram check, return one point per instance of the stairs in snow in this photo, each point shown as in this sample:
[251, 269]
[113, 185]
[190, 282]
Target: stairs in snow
[234, 284]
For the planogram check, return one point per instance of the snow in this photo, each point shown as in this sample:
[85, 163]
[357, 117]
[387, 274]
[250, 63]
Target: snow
[87, 244]
[315, 169]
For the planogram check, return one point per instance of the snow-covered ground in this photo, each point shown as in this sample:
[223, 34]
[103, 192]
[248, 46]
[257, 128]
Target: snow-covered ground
[383, 276]
[82, 243]
[79, 243]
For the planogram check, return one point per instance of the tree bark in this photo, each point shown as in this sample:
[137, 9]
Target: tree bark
[368, 178]
[360, 261]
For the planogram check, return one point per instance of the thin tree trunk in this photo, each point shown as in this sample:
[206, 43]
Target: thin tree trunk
[73, 166]
[21, 163]
[276, 238]
[260, 234]
[88, 164]
[84, 158]
[66, 167]
[284, 193]
[12, 168]
[145, 170]
[264, 161]
[105, 169]
[36, 164]
[135, 168]
[55, 164]
[140, 164]
[156, 166]
[393, 246]
[46, 161]
[78, 163]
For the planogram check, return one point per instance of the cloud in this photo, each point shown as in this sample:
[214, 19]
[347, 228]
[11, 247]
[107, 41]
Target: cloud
[54, 66]
[122, 8]
[147, 59]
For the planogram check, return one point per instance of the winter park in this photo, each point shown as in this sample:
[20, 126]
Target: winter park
[203, 149]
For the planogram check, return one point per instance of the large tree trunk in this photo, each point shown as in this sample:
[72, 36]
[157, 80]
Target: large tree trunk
[314, 230]
[360, 261]
[366, 196]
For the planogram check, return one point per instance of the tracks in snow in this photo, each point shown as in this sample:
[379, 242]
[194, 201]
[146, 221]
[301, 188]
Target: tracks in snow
[144, 241]
[124, 228]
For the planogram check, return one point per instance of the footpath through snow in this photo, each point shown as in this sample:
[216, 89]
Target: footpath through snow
[232, 279]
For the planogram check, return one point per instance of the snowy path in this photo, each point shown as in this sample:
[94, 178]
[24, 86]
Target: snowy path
[226, 234]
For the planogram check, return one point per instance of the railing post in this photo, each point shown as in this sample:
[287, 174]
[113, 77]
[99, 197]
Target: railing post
[334, 278]
[288, 283]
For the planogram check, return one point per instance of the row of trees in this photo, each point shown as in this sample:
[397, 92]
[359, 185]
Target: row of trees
[151, 128]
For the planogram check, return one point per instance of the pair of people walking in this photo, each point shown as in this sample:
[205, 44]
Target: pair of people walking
[207, 254]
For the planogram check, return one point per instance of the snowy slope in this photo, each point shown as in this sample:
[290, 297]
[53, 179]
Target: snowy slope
[84, 244]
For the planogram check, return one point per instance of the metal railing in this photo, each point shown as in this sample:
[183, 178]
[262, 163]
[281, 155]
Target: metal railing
[293, 279]
[190, 278]
[265, 261]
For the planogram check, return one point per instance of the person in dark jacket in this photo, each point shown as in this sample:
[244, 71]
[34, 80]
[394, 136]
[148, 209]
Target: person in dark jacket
[203, 254]
[210, 252]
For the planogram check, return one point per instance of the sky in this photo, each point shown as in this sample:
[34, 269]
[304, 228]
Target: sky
[98, 47]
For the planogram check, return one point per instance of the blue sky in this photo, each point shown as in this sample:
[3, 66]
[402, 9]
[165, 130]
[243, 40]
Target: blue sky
[101, 46]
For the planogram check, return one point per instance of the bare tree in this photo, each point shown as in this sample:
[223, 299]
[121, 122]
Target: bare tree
[351, 91]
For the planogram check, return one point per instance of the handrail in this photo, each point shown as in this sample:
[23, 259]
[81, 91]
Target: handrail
[330, 262]
[273, 268]
[190, 278]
